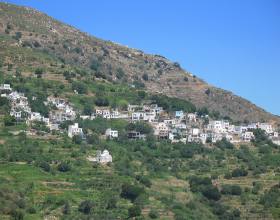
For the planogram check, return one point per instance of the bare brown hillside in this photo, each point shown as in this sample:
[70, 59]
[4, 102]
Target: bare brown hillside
[29, 38]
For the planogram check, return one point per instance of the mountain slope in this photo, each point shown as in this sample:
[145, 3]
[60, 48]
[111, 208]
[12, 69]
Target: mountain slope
[30, 39]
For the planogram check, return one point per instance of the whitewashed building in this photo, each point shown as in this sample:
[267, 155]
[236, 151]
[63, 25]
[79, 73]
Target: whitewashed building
[111, 133]
[74, 130]
[5, 87]
[161, 130]
[104, 157]
[247, 136]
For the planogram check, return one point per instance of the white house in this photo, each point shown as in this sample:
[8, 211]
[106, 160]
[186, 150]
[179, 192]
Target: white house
[161, 130]
[181, 126]
[133, 108]
[114, 114]
[149, 116]
[111, 133]
[216, 137]
[247, 136]
[203, 137]
[104, 157]
[179, 114]
[195, 132]
[266, 127]
[218, 126]
[137, 116]
[5, 87]
[16, 114]
[35, 116]
[156, 109]
[191, 117]
[74, 130]
[169, 122]
[171, 136]
[53, 126]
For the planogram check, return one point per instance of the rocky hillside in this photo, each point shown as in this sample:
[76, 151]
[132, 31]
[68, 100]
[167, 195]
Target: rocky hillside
[31, 39]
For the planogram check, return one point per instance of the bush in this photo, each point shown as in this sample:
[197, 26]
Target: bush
[153, 214]
[18, 35]
[211, 193]
[144, 180]
[134, 211]
[86, 207]
[9, 120]
[102, 102]
[95, 65]
[45, 166]
[17, 215]
[66, 209]
[131, 192]
[120, 73]
[224, 144]
[80, 87]
[88, 109]
[64, 167]
[77, 139]
[141, 127]
[238, 172]
[231, 190]
[39, 72]
[197, 183]
[145, 77]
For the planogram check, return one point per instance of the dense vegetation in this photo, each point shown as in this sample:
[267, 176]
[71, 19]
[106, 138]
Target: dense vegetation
[48, 174]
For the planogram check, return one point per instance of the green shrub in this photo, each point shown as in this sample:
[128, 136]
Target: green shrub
[64, 167]
[134, 211]
[239, 172]
[131, 192]
[153, 214]
[86, 207]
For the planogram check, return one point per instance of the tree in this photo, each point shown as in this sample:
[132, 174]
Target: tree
[77, 139]
[80, 87]
[144, 180]
[211, 193]
[145, 77]
[18, 35]
[141, 94]
[64, 167]
[88, 109]
[66, 208]
[95, 65]
[122, 104]
[45, 166]
[134, 211]
[153, 214]
[120, 73]
[131, 192]
[86, 207]
[224, 144]
[260, 135]
[9, 120]
[102, 101]
[239, 172]
[39, 72]
[231, 190]
[17, 215]
[112, 203]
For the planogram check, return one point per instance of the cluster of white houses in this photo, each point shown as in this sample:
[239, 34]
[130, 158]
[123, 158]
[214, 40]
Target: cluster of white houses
[187, 127]
[177, 126]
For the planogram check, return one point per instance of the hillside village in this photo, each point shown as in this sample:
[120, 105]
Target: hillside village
[176, 126]
[91, 129]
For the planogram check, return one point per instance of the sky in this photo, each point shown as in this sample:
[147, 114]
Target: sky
[233, 44]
